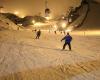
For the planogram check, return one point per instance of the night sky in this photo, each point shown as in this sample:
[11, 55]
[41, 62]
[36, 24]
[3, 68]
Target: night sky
[32, 7]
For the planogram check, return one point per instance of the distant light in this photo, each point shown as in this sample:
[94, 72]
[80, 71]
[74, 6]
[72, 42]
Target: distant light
[49, 17]
[70, 20]
[2, 11]
[55, 27]
[40, 24]
[22, 16]
[20, 24]
[68, 30]
[16, 12]
[63, 17]
[33, 21]
[63, 25]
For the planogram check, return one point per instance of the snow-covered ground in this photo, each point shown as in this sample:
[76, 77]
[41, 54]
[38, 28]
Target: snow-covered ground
[24, 58]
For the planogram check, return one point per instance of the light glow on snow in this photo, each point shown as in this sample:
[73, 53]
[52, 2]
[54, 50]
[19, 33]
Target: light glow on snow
[63, 25]
[16, 12]
[22, 16]
[68, 30]
[87, 33]
[33, 21]
[55, 27]
[49, 17]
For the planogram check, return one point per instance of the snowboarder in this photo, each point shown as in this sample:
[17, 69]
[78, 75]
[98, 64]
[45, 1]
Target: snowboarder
[68, 40]
[38, 34]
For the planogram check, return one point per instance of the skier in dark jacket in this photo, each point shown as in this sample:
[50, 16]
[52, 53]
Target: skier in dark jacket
[68, 40]
[38, 34]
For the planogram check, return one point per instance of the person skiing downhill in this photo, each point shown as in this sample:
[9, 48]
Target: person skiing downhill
[68, 40]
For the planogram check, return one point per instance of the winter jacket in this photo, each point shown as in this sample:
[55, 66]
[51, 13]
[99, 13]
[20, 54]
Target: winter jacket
[67, 39]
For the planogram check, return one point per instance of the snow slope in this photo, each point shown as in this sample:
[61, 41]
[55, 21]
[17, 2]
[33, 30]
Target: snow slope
[24, 58]
[6, 23]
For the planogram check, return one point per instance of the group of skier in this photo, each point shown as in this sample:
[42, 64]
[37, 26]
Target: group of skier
[66, 38]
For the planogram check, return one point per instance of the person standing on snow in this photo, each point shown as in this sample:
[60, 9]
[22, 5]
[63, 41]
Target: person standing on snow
[68, 40]
[38, 34]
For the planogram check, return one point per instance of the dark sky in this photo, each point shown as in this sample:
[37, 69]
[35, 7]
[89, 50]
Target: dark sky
[97, 0]
[32, 7]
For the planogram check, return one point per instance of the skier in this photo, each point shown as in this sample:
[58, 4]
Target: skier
[64, 32]
[38, 34]
[68, 40]
[35, 30]
[55, 32]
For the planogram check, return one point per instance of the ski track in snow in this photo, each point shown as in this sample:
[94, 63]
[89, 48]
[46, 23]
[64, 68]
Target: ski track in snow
[24, 58]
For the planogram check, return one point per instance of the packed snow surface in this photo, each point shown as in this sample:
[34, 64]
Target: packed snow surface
[22, 57]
